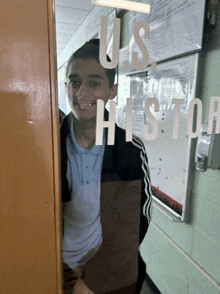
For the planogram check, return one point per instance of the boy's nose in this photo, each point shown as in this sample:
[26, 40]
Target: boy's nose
[83, 92]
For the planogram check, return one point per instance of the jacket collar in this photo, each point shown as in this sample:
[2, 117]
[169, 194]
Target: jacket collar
[114, 155]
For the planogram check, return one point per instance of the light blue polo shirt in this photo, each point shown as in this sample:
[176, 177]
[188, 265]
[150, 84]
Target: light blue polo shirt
[82, 223]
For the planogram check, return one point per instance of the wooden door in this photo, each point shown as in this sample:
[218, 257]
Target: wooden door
[30, 255]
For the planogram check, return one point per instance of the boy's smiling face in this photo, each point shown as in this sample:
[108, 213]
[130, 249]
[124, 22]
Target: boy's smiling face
[86, 83]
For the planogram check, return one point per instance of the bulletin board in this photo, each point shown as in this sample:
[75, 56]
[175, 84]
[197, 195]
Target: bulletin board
[176, 28]
[168, 157]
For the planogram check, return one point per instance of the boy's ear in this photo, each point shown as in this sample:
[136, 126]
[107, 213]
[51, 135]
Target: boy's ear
[66, 87]
[113, 91]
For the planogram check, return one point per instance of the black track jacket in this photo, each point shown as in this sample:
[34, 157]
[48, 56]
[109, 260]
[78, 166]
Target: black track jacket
[124, 162]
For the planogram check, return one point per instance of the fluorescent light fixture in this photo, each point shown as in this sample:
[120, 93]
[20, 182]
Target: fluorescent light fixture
[123, 4]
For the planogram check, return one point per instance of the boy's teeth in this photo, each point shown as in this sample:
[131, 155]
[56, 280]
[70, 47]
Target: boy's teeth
[90, 104]
[84, 105]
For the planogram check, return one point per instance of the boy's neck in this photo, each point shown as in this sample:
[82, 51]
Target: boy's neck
[85, 133]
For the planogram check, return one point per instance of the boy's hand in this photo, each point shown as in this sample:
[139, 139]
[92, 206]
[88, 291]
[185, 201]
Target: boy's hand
[81, 288]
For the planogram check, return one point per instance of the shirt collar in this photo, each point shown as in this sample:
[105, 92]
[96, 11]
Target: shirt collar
[96, 149]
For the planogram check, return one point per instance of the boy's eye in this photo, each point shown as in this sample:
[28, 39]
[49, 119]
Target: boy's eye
[74, 83]
[94, 84]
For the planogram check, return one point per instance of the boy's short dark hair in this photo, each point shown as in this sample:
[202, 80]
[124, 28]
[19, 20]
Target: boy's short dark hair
[88, 51]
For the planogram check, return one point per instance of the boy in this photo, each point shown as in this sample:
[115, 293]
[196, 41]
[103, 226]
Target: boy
[106, 190]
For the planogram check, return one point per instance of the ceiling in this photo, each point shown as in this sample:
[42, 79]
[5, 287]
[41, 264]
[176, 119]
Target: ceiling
[70, 14]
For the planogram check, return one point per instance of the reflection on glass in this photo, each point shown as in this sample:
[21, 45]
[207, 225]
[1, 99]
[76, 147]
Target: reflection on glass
[106, 190]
